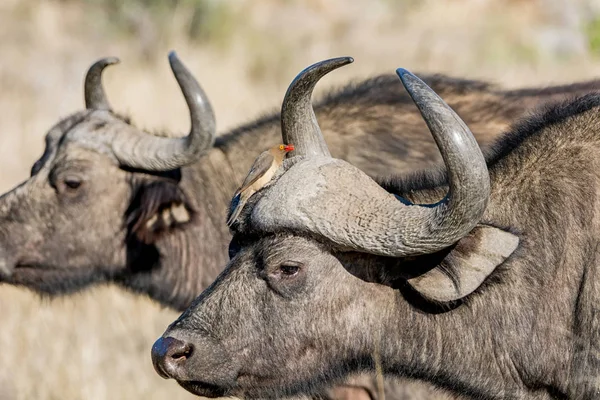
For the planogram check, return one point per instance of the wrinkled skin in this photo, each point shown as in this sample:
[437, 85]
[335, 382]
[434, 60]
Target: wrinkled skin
[73, 223]
[291, 312]
[277, 314]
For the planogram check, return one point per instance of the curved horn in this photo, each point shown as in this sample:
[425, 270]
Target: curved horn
[202, 118]
[159, 153]
[337, 201]
[468, 177]
[298, 122]
[95, 97]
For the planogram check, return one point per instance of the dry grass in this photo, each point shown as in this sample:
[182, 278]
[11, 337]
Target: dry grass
[96, 345]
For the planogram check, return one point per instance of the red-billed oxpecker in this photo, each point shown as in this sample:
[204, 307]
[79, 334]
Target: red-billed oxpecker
[261, 172]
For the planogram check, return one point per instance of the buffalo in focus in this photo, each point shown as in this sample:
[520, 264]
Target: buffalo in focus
[482, 280]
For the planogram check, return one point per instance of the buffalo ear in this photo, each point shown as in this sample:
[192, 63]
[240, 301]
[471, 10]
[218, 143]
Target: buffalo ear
[157, 208]
[467, 265]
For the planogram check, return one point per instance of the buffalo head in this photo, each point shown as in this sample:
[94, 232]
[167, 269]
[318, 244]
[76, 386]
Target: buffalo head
[55, 234]
[323, 259]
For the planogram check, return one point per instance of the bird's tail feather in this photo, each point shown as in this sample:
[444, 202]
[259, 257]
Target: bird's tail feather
[234, 210]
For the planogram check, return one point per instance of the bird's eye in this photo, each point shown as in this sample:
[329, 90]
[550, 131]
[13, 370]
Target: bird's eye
[281, 147]
[289, 268]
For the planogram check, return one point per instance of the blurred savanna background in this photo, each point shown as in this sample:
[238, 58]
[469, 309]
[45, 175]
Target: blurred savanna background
[95, 345]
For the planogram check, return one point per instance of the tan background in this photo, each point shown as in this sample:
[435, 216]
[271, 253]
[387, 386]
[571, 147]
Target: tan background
[95, 345]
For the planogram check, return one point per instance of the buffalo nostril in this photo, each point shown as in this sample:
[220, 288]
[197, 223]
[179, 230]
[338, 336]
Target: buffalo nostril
[168, 354]
[182, 353]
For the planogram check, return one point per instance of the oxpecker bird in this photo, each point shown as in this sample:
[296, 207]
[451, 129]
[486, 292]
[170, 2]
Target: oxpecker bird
[260, 174]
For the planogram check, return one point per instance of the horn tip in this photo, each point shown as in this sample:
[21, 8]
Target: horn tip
[104, 62]
[404, 73]
[94, 95]
[174, 58]
[338, 61]
[410, 80]
[109, 61]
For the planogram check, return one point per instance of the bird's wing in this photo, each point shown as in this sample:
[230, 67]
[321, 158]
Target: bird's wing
[234, 209]
[259, 168]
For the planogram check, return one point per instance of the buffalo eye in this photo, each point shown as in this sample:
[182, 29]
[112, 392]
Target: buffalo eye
[287, 278]
[72, 183]
[66, 183]
[289, 268]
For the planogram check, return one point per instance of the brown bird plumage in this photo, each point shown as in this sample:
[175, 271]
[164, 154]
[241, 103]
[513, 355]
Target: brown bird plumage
[261, 172]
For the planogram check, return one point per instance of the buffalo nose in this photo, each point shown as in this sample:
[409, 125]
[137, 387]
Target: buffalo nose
[169, 354]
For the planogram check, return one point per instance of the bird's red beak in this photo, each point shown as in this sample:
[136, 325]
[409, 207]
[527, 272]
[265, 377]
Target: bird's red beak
[288, 147]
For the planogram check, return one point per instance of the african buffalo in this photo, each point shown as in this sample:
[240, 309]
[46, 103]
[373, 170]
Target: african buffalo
[109, 202]
[484, 280]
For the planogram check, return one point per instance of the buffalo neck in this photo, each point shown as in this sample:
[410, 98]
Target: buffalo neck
[186, 260]
[512, 338]
[530, 331]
